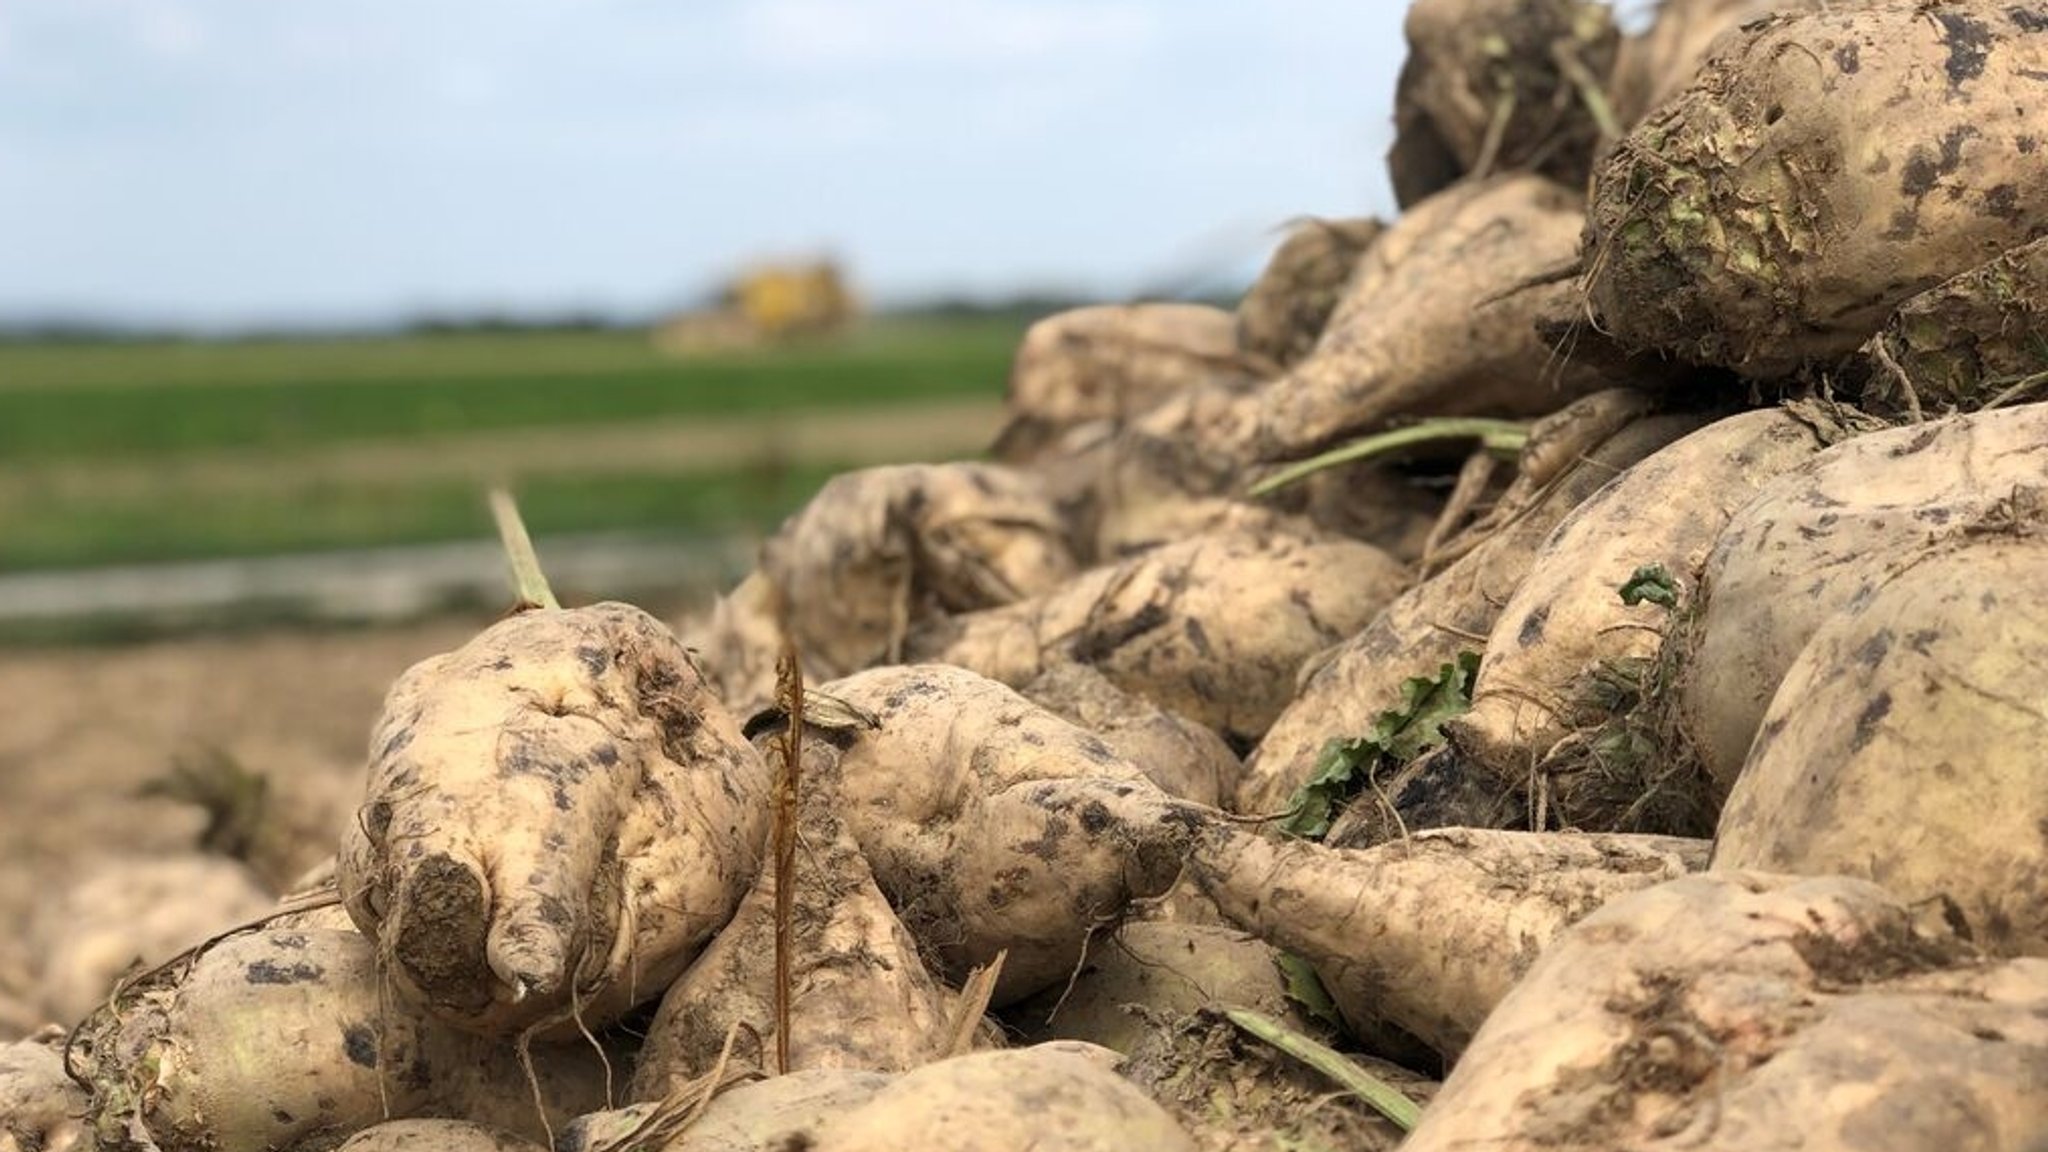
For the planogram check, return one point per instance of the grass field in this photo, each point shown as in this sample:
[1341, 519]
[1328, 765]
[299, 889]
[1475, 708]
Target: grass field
[65, 401]
[124, 453]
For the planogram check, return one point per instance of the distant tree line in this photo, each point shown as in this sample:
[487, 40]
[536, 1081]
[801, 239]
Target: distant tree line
[1021, 308]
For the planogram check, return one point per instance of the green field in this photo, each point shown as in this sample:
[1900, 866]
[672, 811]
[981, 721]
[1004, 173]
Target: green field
[78, 534]
[70, 401]
[122, 453]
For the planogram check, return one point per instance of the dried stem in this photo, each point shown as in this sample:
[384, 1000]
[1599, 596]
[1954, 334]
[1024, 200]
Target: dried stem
[789, 691]
[975, 993]
[529, 583]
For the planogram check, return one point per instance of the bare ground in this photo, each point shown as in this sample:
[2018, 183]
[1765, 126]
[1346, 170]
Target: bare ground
[84, 729]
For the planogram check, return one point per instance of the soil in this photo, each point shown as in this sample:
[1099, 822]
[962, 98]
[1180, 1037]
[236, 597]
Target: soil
[86, 729]
[1237, 1095]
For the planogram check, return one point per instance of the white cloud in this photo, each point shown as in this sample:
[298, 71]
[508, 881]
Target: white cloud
[876, 33]
[1027, 110]
[319, 39]
[168, 30]
[776, 128]
[164, 29]
[466, 84]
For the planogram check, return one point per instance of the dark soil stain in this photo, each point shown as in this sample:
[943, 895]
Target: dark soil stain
[1867, 721]
[1890, 950]
[1099, 644]
[1096, 749]
[271, 972]
[1923, 171]
[1969, 43]
[2003, 202]
[1047, 847]
[395, 743]
[2029, 20]
[360, 1042]
[1918, 443]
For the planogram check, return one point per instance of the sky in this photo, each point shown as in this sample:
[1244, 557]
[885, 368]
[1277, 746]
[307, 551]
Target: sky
[240, 163]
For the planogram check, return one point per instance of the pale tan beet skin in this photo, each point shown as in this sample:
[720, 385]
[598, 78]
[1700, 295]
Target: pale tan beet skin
[1660, 63]
[435, 1136]
[1057, 1097]
[874, 552]
[1112, 361]
[1426, 935]
[1283, 312]
[1566, 618]
[1212, 628]
[1183, 469]
[1738, 1011]
[1182, 757]
[1422, 329]
[40, 1106]
[1824, 167]
[860, 994]
[993, 825]
[1153, 974]
[751, 1117]
[1906, 744]
[880, 549]
[18, 1018]
[1817, 539]
[1071, 471]
[560, 814]
[1343, 689]
[737, 642]
[1374, 504]
[1178, 470]
[193, 1056]
[128, 912]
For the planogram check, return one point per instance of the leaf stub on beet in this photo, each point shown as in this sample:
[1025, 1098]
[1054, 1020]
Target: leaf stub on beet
[1345, 768]
[1650, 584]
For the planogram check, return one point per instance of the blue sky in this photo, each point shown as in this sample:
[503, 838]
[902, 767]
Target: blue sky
[241, 162]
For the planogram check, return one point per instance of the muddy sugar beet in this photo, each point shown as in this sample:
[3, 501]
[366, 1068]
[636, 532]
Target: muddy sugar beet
[1824, 167]
[1341, 691]
[284, 1039]
[560, 814]
[1743, 1010]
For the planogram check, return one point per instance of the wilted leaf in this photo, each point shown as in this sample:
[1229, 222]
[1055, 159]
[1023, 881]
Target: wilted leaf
[1305, 990]
[1398, 735]
[1651, 584]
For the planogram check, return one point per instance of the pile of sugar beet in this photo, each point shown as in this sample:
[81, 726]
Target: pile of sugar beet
[1564, 669]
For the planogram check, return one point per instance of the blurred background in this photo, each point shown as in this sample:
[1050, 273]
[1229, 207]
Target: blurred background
[292, 283]
[285, 287]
